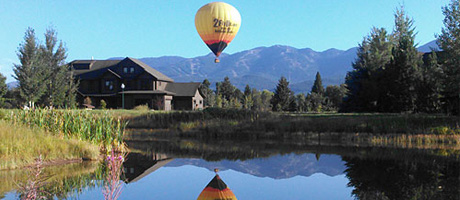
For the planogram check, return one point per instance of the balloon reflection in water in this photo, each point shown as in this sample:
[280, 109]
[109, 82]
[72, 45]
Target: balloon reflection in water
[216, 190]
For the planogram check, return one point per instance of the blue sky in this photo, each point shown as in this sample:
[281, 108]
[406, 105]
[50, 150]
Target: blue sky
[154, 28]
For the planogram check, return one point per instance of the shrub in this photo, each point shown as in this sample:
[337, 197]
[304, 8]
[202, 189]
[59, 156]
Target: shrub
[103, 104]
[144, 107]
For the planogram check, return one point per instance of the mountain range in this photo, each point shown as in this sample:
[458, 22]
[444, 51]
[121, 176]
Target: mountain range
[262, 67]
[276, 167]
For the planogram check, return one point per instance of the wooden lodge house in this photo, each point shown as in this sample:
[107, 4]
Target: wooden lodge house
[143, 85]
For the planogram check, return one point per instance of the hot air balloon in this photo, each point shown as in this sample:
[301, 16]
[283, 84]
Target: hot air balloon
[217, 24]
[216, 189]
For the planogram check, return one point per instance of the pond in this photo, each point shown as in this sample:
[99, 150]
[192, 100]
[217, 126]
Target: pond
[182, 168]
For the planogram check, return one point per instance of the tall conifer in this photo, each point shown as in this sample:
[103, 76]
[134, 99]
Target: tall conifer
[449, 42]
[30, 72]
[403, 70]
[283, 96]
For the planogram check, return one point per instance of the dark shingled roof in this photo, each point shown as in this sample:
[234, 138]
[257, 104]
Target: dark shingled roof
[152, 71]
[94, 65]
[183, 89]
[105, 64]
[147, 92]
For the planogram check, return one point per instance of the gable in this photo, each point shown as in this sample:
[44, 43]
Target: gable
[158, 75]
[128, 68]
[183, 89]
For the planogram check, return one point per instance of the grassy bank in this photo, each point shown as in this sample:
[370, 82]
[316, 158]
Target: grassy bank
[369, 129]
[21, 145]
[100, 128]
[232, 120]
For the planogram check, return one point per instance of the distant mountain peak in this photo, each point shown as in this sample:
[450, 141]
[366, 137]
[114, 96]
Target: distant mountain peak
[262, 67]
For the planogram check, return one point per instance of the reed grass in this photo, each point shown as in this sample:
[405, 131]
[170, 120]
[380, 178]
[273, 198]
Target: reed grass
[20, 146]
[98, 128]
[172, 119]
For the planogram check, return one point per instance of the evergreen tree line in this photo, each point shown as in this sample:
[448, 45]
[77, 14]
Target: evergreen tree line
[283, 98]
[390, 75]
[43, 77]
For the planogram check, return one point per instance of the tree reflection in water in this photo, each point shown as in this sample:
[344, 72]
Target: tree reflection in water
[374, 178]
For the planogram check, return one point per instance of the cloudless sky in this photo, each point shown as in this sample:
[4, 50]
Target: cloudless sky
[154, 28]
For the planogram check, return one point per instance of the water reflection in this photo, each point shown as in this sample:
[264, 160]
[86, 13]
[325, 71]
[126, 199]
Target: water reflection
[403, 179]
[216, 190]
[138, 165]
[260, 170]
[373, 173]
[65, 181]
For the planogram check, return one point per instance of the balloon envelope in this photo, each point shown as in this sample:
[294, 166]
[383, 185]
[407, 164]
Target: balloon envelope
[216, 190]
[217, 24]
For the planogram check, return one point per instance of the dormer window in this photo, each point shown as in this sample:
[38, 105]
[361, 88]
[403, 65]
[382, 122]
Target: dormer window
[128, 70]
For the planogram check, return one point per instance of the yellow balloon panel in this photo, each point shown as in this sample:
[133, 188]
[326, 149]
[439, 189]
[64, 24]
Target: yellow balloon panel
[217, 24]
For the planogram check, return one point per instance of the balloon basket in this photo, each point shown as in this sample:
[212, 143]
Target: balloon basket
[217, 60]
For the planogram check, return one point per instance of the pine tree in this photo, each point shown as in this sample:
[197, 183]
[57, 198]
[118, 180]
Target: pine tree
[449, 42]
[227, 90]
[317, 91]
[30, 73]
[318, 85]
[403, 70]
[364, 84]
[283, 96]
[209, 99]
[43, 76]
[58, 78]
[248, 101]
[429, 88]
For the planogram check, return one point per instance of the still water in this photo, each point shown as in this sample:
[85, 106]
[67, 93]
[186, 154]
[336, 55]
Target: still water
[181, 169]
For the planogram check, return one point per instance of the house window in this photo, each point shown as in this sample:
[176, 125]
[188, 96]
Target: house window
[125, 70]
[201, 101]
[109, 85]
[131, 70]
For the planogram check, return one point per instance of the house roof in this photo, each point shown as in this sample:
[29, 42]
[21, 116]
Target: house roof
[94, 65]
[152, 71]
[183, 89]
[147, 92]
[100, 66]
[153, 168]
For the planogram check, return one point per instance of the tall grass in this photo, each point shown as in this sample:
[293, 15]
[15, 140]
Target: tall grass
[20, 146]
[175, 118]
[99, 128]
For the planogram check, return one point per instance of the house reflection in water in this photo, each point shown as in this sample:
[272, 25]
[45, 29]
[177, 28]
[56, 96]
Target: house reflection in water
[137, 166]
